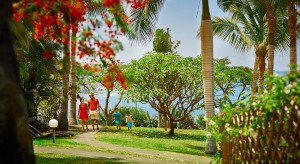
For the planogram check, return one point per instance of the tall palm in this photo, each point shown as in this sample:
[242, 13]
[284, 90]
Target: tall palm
[246, 30]
[206, 35]
[73, 86]
[143, 26]
[292, 28]
[292, 31]
[272, 25]
[63, 115]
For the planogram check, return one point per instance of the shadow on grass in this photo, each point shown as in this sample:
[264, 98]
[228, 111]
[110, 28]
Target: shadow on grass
[69, 159]
[159, 134]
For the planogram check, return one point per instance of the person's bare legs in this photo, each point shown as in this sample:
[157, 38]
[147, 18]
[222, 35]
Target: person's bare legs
[93, 124]
[86, 124]
[97, 121]
[82, 125]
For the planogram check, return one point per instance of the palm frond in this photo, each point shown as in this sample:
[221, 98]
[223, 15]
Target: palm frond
[143, 21]
[94, 7]
[21, 34]
[228, 29]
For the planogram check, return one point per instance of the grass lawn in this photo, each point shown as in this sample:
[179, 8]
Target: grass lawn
[67, 159]
[184, 141]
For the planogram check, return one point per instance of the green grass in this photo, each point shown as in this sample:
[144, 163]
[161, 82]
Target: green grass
[68, 159]
[184, 141]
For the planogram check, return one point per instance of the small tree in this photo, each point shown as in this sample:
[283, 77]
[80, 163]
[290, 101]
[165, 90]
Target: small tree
[168, 83]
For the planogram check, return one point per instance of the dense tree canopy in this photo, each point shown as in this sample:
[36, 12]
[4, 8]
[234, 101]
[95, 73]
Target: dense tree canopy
[168, 83]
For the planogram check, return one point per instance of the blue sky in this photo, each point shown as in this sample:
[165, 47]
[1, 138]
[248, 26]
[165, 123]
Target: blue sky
[183, 18]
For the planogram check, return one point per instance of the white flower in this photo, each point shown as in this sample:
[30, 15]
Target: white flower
[292, 102]
[250, 130]
[228, 129]
[211, 122]
[287, 89]
[254, 103]
[227, 125]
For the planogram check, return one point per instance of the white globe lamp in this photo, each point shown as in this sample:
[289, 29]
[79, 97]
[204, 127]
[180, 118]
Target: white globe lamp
[53, 123]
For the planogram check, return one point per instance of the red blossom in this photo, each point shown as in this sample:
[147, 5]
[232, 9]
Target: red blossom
[48, 54]
[109, 23]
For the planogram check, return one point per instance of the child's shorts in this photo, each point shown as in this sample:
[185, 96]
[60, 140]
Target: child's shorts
[129, 124]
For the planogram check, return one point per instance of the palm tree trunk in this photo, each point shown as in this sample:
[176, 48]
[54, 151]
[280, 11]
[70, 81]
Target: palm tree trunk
[292, 30]
[254, 78]
[72, 116]
[271, 38]
[207, 69]
[63, 115]
[262, 67]
[16, 141]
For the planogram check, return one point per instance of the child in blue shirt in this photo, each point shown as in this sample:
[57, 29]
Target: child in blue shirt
[117, 116]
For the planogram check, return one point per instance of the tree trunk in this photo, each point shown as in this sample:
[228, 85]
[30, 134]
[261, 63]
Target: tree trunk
[292, 30]
[207, 68]
[72, 116]
[107, 121]
[171, 132]
[165, 122]
[254, 78]
[262, 67]
[63, 115]
[159, 121]
[15, 139]
[271, 38]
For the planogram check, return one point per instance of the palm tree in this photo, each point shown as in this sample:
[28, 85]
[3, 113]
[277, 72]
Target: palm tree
[206, 35]
[73, 86]
[292, 31]
[246, 30]
[143, 25]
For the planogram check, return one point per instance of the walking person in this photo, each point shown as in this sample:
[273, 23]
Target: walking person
[129, 120]
[94, 109]
[83, 114]
[117, 116]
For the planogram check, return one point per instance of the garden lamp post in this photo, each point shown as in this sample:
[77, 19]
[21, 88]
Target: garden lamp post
[53, 124]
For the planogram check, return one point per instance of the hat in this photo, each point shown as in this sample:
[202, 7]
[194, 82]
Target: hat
[91, 94]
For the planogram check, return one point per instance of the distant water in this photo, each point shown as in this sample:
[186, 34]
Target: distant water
[114, 97]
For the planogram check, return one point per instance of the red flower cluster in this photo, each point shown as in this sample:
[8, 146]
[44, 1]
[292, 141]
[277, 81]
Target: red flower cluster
[48, 54]
[53, 19]
[135, 4]
[114, 75]
[111, 3]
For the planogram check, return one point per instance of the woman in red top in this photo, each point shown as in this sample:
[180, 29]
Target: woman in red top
[83, 114]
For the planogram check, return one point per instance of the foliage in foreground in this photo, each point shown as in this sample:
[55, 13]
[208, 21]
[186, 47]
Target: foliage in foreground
[270, 113]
